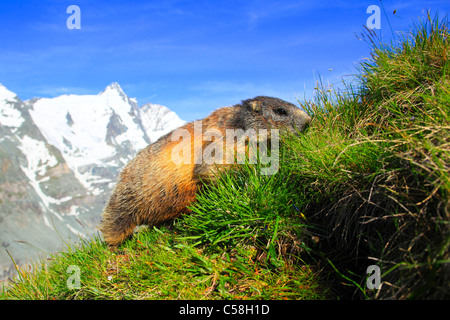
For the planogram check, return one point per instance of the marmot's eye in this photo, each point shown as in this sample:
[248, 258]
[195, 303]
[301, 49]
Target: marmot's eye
[280, 111]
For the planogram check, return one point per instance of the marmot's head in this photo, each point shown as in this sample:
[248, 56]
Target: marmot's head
[272, 113]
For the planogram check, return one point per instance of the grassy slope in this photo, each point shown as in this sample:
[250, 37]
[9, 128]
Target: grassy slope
[367, 184]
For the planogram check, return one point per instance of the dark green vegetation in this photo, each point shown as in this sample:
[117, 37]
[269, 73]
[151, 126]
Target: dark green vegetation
[367, 184]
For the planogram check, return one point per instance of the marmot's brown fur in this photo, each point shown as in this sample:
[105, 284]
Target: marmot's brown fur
[152, 188]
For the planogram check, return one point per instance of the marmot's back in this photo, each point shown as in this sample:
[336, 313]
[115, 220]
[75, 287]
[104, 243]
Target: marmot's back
[163, 179]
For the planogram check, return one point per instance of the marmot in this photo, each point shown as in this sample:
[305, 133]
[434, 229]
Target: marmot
[153, 188]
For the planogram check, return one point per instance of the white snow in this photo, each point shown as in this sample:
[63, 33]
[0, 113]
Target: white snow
[46, 222]
[114, 97]
[158, 120]
[75, 231]
[6, 94]
[74, 211]
[9, 116]
[37, 154]
[86, 135]
[39, 160]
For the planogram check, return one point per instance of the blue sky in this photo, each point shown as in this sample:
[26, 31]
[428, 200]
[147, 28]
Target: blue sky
[192, 56]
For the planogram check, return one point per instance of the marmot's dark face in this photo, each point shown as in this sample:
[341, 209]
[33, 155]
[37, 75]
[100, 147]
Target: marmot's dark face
[277, 114]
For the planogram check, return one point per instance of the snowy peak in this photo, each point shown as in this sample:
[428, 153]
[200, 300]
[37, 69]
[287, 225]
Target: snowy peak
[158, 120]
[6, 95]
[10, 113]
[114, 90]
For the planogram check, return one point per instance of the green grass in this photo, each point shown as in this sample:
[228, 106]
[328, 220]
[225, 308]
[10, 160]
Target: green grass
[377, 162]
[367, 183]
[155, 264]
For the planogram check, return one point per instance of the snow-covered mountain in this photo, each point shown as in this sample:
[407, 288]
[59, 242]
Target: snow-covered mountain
[158, 120]
[93, 132]
[59, 160]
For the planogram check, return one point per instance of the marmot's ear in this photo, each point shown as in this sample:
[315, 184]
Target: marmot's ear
[256, 106]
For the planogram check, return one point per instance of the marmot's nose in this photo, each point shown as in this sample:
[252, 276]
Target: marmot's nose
[304, 119]
[307, 119]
